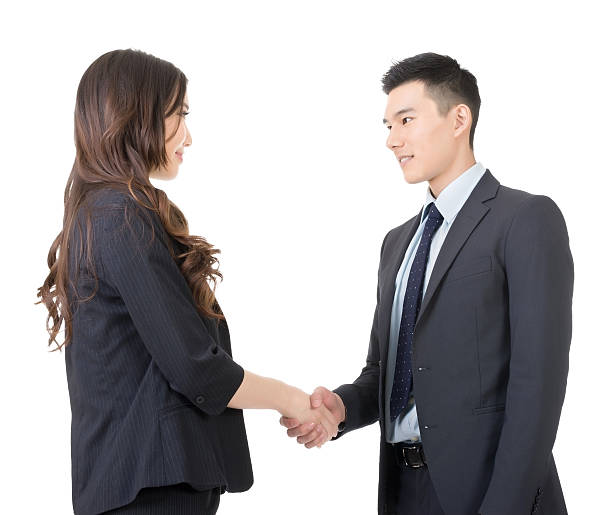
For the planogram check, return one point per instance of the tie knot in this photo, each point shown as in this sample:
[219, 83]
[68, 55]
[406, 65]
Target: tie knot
[434, 214]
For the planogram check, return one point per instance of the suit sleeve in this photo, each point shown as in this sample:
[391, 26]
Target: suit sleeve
[540, 278]
[137, 262]
[361, 397]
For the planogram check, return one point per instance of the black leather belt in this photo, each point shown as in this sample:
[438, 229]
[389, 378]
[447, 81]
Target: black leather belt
[409, 455]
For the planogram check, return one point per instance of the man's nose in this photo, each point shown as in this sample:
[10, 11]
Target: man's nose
[393, 140]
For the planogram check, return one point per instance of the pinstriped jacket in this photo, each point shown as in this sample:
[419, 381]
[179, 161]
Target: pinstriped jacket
[149, 377]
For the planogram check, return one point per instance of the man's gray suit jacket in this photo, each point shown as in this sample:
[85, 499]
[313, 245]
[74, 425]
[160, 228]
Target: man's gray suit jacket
[490, 355]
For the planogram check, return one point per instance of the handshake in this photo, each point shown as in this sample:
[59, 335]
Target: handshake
[314, 419]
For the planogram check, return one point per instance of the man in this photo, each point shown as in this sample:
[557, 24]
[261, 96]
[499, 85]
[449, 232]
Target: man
[468, 357]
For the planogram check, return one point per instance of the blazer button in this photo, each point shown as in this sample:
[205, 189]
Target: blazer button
[199, 399]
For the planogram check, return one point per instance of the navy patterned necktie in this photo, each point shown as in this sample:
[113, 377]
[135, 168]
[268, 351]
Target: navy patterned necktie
[402, 380]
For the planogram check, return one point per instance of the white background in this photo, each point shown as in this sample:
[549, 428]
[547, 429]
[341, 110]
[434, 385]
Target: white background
[289, 176]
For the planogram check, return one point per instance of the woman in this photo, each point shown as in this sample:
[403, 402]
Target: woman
[156, 397]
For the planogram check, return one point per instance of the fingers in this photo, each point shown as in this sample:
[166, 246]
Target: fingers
[301, 430]
[324, 431]
[310, 434]
[319, 440]
[289, 423]
[315, 434]
[323, 422]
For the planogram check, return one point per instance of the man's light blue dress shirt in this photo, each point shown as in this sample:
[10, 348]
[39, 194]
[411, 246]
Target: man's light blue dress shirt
[449, 202]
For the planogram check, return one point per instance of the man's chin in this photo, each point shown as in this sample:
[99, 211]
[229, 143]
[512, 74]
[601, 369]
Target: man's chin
[412, 178]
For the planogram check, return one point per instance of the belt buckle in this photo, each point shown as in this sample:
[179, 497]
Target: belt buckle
[417, 460]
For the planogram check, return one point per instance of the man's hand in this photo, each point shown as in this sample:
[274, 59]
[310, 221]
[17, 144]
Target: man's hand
[316, 436]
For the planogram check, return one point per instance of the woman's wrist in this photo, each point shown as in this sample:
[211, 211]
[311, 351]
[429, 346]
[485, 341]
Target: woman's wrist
[264, 392]
[292, 401]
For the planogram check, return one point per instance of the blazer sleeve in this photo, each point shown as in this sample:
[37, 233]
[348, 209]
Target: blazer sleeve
[361, 397]
[540, 278]
[137, 262]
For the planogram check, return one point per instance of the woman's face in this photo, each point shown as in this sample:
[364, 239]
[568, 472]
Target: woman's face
[174, 145]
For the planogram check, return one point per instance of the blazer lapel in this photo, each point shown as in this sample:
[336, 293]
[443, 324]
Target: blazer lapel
[465, 222]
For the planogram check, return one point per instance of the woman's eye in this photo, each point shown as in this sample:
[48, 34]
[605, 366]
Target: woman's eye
[185, 113]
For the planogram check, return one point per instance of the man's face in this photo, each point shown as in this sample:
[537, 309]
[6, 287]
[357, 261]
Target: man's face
[424, 143]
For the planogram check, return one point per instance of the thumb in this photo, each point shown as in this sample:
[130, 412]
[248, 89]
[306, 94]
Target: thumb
[316, 399]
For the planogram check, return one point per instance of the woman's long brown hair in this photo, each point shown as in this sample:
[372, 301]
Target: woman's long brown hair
[122, 102]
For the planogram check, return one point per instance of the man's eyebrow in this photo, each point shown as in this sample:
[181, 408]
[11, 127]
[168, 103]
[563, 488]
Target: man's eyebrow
[401, 111]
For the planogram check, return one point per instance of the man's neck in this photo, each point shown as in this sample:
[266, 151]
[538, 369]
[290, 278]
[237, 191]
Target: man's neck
[441, 181]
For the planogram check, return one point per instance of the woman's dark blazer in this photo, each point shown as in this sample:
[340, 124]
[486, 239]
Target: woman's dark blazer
[149, 377]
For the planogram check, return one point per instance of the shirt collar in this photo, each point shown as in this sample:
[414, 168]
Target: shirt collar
[453, 196]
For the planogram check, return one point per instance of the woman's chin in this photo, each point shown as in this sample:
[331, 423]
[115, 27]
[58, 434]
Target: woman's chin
[164, 175]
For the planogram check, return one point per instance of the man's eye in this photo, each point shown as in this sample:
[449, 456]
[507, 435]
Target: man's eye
[406, 118]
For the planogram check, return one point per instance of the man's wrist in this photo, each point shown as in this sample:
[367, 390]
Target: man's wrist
[342, 423]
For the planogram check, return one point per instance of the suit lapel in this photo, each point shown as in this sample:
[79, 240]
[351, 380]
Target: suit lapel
[465, 222]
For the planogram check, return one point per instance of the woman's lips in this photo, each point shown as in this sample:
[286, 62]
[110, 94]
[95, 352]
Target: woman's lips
[180, 156]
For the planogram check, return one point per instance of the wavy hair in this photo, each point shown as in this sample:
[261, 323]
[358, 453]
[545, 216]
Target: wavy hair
[122, 102]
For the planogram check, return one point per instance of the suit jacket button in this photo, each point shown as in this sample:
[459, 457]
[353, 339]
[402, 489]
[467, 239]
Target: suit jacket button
[199, 399]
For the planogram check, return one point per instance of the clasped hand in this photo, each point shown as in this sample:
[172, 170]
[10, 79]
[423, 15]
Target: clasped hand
[315, 422]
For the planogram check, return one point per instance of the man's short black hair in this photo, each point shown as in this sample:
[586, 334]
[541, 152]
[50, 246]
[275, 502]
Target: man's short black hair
[445, 82]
